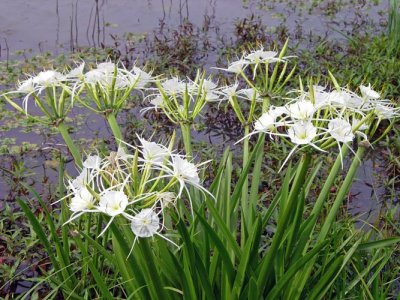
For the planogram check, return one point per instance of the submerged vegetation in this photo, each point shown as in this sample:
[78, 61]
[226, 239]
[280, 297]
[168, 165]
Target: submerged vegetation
[154, 212]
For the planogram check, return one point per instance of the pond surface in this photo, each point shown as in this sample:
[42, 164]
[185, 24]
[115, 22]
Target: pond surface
[34, 26]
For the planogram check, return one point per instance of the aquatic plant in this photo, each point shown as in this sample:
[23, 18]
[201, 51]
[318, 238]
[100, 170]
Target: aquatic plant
[143, 222]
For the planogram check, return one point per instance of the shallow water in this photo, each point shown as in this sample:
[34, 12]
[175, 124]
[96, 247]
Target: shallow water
[59, 26]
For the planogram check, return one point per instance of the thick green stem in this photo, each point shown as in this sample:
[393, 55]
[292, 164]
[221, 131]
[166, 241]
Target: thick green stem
[112, 121]
[70, 144]
[187, 139]
[341, 195]
[244, 200]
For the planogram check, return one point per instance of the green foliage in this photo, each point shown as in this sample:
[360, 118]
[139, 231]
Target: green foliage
[305, 256]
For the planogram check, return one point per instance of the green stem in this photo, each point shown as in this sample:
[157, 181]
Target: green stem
[70, 144]
[112, 121]
[341, 195]
[152, 275]
[244, 200]
[187, 138]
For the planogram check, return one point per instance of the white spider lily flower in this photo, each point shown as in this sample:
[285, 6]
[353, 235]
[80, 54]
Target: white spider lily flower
[277, 111]
[185, 171]
[338, 98]
[121, 154]
[81, 180]
[341, 130]
[236, 67]
[26, 86]
[261, 56]
[157, 101]
[76, 73]
[321, 97]
[92, 162]
[139, 77]
[153, 152]
[48, 78]
[82, 200]
[302, 110]
[210, 88]
[174, 86]
[108, 67]
[386, 110]
[113, 203]
[265, 123]
[230, 91]
[368, 93]
[146, 223]
[94, 76]
[250, 94]
[302, 133]
[346, 99]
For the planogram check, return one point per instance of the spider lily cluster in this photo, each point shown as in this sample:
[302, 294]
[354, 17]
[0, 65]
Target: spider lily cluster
[108, 85]
[320, 119]
[137, 187]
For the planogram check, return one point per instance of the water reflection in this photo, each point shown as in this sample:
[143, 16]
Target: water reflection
[57, 26]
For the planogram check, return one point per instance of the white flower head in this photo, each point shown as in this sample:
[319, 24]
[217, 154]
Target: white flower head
[302, 133]
[302, 110]
[341, 130]
[368, 93]
[174, 86]
[26, 86]
[265, 123]
[185, 170]
[92, 162]
[94, 76]
[108, 67]
[260, 56]
[237, 66]
[48, 78]
[321, 97]
[153, 152]
[139, 77]
[82, 200]
[146, 223]
[230, 91]
[113, 203]
[250, 94]
[80, 181]
[386, 111]
[76, 72]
